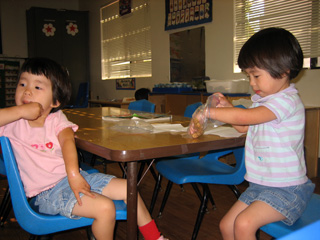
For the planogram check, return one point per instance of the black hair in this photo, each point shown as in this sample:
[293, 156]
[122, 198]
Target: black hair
[275, 50]
[142, 93]
[59, 77]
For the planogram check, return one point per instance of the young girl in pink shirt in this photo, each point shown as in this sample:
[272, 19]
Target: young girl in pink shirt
[43, 143]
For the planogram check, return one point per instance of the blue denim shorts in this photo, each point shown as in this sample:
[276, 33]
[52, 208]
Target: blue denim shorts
[289, 201]
[60, 199]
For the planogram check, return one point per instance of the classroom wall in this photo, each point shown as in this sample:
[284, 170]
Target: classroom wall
[219, 46]
[14, 23]
[219, 52]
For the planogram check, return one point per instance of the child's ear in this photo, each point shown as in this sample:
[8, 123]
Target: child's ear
[55, 105]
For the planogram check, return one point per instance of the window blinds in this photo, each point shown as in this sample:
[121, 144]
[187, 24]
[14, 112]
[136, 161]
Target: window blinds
[125, 41]
[300, 17]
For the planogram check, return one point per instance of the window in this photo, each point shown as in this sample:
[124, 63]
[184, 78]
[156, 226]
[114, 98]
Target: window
[300, 17]
[125, 41]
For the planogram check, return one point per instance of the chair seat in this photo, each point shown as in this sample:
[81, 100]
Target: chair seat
[310, 215]
[30, 219]
[206, 170]
[310, 232]
[57, 223]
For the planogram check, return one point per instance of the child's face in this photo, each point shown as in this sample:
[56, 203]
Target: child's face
[263, 84]
[35, 88]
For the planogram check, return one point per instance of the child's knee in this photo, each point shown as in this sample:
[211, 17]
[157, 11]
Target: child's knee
[106, 209]
[242, 226]
[224, 226]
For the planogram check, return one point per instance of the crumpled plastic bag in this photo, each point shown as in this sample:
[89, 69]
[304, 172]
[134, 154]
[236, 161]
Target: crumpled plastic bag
[133, 126]
[199, 121]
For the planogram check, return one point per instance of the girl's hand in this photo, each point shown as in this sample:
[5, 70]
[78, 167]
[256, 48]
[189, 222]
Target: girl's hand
[31, 111]
[223, 102]
[79, 185]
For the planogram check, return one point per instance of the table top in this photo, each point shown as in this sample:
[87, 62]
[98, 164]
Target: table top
[96, 136]
[109, 102]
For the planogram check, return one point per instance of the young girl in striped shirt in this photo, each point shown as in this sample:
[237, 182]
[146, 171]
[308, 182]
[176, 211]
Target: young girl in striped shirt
[274, 152]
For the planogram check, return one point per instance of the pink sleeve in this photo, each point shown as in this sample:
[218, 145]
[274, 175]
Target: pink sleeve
[61, 122]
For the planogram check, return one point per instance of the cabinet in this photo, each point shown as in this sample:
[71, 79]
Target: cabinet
[61, 35]
[9, 71]
[176, 103]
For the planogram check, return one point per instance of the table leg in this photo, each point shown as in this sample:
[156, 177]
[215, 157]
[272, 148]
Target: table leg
[131, 200]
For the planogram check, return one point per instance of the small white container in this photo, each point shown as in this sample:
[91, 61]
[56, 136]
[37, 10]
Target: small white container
[228, 86]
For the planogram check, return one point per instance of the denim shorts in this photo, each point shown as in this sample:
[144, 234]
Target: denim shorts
[60, 199]
[289, 201]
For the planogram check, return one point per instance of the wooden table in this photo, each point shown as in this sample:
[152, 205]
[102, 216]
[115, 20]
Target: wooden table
[95, 136]
[108, 103]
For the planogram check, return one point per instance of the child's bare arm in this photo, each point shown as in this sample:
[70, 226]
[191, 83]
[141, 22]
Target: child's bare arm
[224, 102]
[77, 182]
[30, 111]
[242, 117]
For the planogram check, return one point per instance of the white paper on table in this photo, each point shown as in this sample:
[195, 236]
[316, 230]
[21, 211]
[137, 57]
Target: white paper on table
[223, 132]
[167, 127]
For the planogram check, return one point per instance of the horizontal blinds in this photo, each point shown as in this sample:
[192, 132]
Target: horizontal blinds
[125, 41]
[300, 17]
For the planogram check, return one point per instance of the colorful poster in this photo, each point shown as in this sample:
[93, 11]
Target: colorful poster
[183, 13]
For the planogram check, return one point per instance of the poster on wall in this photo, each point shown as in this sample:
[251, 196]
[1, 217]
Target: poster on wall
[124, 7]
[126, 84]
[183, 13]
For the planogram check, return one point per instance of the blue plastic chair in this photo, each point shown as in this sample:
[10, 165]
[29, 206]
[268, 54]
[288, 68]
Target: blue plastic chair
[82, 100]
[5, 206]
[142, 105]
[207, 170]
[190, 109]
[28, 218]
[309, 216]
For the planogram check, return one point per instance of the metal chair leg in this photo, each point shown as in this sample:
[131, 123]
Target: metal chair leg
[211, 198]
[201, 211]
[235, 190]
[6, 207]
[209, 195]
[165, 197]
[155, 193]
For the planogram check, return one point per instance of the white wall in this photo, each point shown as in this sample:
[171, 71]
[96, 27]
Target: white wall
[219, 52]
[219, 46]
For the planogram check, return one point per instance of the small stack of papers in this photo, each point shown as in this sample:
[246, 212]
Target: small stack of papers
[148, 117]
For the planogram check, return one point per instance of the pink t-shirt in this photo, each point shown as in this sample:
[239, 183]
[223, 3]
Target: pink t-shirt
[38, 152]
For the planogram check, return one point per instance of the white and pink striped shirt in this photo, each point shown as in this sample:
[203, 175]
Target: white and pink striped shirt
[274, 150]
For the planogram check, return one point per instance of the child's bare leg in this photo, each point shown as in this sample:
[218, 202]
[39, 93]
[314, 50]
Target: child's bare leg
[227, 223]
[252, 218]
[117, 190]
[102, 210]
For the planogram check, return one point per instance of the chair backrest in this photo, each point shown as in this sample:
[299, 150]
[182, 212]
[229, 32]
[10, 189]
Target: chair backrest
[142, 105]
[2, 167]
[42, 224]
[191, 108]
[82, 100]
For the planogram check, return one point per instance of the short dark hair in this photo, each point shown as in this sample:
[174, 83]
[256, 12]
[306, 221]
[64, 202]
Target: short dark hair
[59, 77]
[275, 50]
[142, 93]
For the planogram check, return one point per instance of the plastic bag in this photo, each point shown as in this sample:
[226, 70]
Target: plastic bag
[199, 121]
[133, 126]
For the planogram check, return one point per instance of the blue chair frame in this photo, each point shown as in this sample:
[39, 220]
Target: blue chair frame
[207, 170]
[82, 100]
[142, 105]
[190, 109]
[28, 218]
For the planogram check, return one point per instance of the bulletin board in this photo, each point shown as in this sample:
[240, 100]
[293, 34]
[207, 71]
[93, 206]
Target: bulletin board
[183, 13]
[126, 84]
